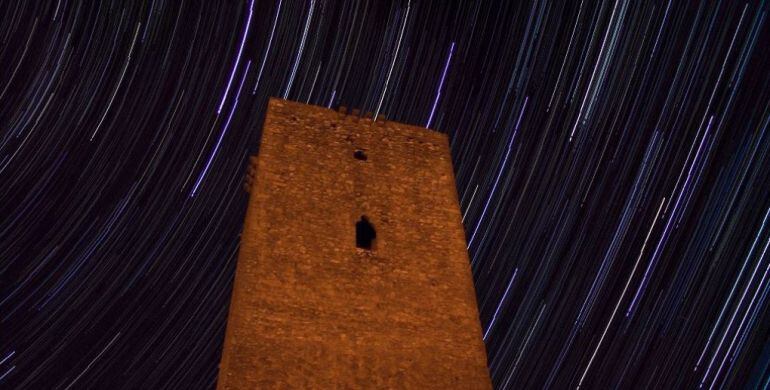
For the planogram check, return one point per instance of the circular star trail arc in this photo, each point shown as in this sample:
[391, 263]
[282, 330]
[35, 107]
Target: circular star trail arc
[611, 161]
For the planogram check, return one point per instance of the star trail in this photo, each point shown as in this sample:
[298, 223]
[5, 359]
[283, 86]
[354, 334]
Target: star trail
[612, 161]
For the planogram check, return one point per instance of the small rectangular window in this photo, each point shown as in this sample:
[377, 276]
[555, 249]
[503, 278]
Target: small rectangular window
[365, 233]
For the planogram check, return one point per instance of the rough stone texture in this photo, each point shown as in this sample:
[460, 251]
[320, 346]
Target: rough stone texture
[309, 309]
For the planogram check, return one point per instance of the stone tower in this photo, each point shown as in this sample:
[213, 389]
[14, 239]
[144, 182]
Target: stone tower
[353, 270]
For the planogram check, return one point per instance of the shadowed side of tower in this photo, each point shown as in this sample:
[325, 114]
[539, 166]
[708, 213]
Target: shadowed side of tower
[352, 270]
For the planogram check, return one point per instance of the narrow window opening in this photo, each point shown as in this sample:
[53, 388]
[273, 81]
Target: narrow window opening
[360, 155]
[365, 233]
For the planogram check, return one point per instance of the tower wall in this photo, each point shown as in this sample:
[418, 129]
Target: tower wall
[311, 310]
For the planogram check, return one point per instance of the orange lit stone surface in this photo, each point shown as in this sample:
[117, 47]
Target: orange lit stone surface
[311, 310]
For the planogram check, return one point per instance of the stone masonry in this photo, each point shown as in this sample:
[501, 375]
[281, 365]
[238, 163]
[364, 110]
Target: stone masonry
[311, 310]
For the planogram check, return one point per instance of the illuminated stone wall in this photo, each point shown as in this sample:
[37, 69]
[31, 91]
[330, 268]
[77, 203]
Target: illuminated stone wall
[311, 310]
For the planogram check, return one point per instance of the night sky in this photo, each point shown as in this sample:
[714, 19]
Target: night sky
[612, 163]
